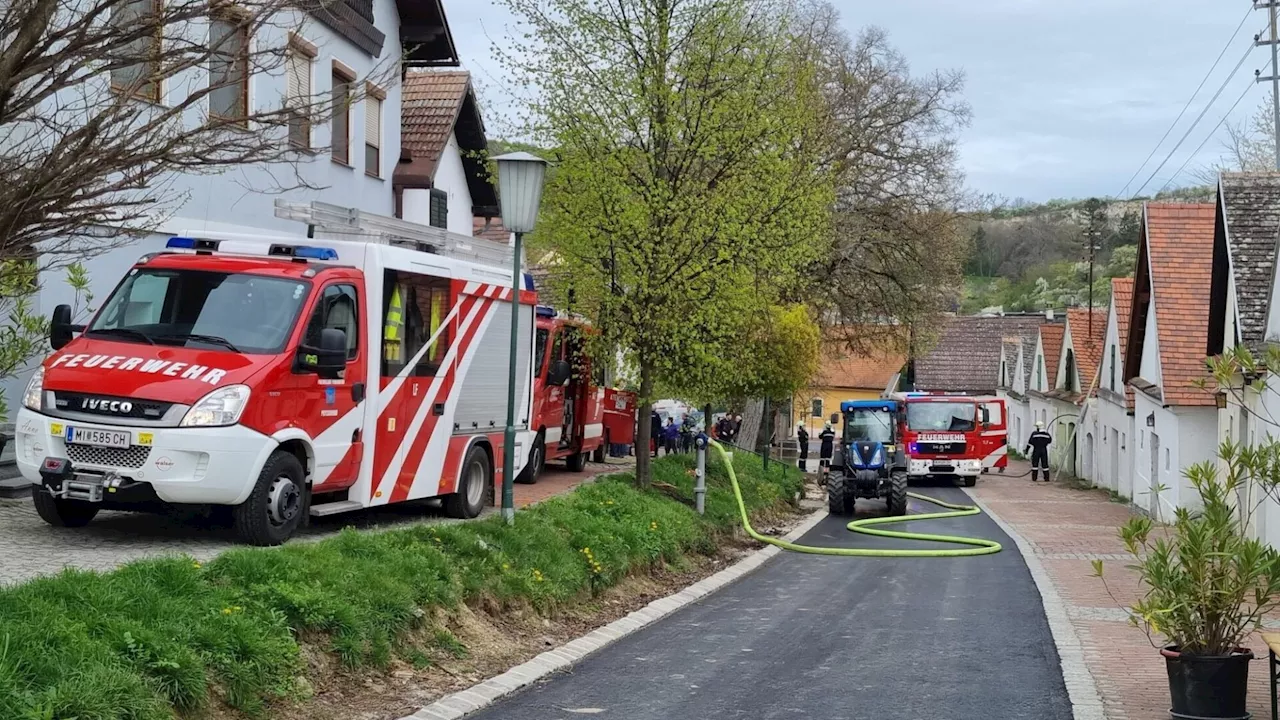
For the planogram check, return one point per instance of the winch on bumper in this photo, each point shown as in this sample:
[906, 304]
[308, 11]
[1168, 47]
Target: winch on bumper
[216, 465]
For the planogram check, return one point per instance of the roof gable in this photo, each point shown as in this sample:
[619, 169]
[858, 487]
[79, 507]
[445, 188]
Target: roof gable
[1118, 318]
[1173, 277]
[1088, 334]
[1250, 205]
[436, 106]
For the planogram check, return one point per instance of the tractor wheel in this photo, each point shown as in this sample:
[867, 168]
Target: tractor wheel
[836, 495]
[897, 499]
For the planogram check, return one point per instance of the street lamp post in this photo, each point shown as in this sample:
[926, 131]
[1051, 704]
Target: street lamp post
[520, 177]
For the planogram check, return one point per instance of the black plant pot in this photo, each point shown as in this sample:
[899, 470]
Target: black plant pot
[1208, 686]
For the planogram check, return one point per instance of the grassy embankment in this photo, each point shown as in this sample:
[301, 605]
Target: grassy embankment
[167, 637]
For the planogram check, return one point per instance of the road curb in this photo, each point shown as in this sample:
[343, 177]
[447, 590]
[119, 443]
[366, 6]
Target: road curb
[484, 694]
[1082, 690]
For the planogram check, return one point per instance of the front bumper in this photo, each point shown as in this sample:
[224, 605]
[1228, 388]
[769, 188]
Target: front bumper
[944, 466]
[182, 465]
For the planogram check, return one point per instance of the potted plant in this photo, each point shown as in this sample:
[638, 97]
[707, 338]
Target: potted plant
[1208, 583]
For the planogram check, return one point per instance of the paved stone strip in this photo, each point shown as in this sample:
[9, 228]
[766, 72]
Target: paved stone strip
[1111, 614]
[1083, 556]
[484, 694]
[1086, 703]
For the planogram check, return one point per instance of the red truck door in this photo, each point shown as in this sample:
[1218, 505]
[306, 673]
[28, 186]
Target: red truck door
[995, 436]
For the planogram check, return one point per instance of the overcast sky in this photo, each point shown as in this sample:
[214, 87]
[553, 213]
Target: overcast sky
[1068, 96]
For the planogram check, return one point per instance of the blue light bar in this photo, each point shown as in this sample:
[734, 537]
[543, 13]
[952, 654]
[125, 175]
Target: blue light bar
[528, 282]
[181, 243]
[544, 311]
[315, 253]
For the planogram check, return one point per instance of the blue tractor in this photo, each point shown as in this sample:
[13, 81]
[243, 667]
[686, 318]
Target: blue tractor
[869, 462]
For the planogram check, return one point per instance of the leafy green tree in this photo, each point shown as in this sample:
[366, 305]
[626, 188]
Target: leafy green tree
[776, 357]
[24, 334]
[688, 189]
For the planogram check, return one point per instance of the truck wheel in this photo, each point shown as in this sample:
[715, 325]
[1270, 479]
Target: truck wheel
[576, 462]
[600, 452]
[537, 456]
[838, 497]
[275, 508]
[474, 482]
[898, 495]
[970, 481]
[62, 513]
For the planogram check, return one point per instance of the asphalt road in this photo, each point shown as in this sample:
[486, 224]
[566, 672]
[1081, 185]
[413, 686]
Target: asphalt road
[820, 638]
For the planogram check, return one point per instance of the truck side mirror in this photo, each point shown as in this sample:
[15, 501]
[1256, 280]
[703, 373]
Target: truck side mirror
[60, 327]
[986, 417]
[559, 372]
[329, 359]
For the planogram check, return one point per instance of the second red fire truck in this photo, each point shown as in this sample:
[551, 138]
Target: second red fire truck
[954, 435]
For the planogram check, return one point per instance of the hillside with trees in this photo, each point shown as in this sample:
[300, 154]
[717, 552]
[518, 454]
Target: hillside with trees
[1028, 257]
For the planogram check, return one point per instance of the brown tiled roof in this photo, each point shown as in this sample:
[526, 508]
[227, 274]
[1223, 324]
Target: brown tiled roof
[1009, 354]
[431, 102]
[490, 229]
[1179, 249]
[966, 357]
[1051, 341]
[1087, 348]
[1251, 208]
[840, 368]
[1122, 301]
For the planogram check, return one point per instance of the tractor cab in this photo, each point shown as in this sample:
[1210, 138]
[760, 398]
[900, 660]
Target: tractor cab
[871, 425]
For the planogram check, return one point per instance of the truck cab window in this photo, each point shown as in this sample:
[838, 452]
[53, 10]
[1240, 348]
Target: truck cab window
[337, 309]
[540, 352]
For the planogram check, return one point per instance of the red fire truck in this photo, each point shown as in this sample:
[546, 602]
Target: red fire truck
[285, 377]
[573, 415]
[952, 435]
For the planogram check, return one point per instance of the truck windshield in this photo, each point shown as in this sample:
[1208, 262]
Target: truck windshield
[941, 416]
[868, 424]
[232, 312]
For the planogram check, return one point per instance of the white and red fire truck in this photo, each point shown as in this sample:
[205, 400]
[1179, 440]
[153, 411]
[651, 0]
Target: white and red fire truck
[953, 435]
[285, 377]
[573, 415]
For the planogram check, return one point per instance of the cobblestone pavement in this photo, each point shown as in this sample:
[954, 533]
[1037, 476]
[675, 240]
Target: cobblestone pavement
[29, 547]
[1067, 529]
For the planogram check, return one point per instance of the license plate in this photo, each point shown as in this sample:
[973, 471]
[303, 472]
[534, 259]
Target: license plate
[100, 438]
[943, 468]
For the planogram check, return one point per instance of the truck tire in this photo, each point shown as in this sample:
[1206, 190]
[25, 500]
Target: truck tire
[62, 513]
[576, 462]
[276, 506]
[897, 499]
[970, 481]
[601, 451]
[839, 497]
[532, 469]
[473, 486]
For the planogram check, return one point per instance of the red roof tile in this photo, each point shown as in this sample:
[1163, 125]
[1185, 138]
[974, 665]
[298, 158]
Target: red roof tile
[431, 101]
[490, 229]
[1180, 249]
[841, 369]
[1088, 349]
[1051, 342]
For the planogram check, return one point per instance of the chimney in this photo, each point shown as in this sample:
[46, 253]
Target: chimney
[1048, 314]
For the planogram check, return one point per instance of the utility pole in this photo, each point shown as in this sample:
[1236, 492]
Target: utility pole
[1274, 78]
[1097, 217]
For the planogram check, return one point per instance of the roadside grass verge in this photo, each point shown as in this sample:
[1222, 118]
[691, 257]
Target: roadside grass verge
[163, 638]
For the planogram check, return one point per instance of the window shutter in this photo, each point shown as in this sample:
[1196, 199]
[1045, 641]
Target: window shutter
[373, 121]
[297, 77]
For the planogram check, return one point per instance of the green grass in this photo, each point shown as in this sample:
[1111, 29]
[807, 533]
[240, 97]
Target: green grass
[160, 638]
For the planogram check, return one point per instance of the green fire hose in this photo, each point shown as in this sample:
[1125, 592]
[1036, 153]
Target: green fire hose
[865, 526]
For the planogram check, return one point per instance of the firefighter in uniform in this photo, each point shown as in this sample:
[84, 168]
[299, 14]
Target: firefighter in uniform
[1038, 445]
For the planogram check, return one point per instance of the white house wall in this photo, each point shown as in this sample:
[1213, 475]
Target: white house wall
[1197, 433]
[451, 177]
[1114, 456]
[1112, 377]
[1148, 471]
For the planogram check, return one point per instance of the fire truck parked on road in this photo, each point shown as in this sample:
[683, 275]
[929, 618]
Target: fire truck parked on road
[574, 416]
[952, 435]
[285, 377]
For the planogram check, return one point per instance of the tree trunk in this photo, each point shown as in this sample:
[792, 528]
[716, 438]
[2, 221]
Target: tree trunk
[750, 430]
[644, 412]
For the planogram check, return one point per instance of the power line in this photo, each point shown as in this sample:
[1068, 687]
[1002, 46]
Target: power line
[1189, 101]
[1195, 122]
[1206, 139]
